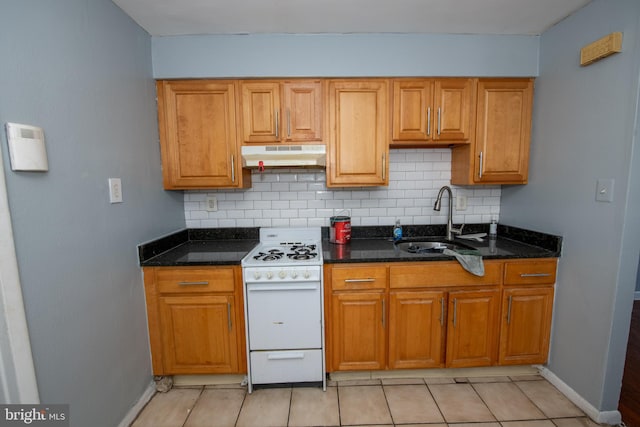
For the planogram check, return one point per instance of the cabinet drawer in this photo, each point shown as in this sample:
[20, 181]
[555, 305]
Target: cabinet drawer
[195, 280]
[530, 272]
[444, 273]
[359, 277]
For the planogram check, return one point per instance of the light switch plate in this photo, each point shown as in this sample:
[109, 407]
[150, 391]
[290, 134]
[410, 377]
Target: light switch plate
[604, 190]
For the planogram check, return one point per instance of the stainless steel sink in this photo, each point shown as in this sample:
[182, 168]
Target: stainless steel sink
[426, 247]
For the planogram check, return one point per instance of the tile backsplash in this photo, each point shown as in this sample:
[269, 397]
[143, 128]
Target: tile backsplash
[300, 197]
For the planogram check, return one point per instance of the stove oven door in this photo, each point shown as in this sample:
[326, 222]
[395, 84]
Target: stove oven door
[284, 316]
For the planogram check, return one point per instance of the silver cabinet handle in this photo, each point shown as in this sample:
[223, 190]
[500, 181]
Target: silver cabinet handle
[455, 310]
[193, 283]
[481, 166]
[535, 275]
[441, 311]
[428, 121]
[229, 316]
[277, 124]
[233, 168]
[439, 117]
[369, 279]
[383, 316]
[384, 165]
[509, 310]
[288, 122]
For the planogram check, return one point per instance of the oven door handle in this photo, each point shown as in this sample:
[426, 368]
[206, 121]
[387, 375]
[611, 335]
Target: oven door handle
[260, 288]
[285, 356]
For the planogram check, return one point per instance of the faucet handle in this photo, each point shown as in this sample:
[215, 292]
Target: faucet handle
[457, 230]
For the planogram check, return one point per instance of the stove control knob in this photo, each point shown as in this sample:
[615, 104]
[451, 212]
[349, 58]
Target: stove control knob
[307, 274]
[282, 274]
[294, 274]
[257, 275]
[269, 275]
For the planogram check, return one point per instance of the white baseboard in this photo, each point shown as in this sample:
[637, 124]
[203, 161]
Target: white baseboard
[636, 295]
[603, 417]
[144, 399]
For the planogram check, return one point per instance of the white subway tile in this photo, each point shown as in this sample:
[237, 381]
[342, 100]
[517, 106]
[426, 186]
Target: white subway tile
[293, 197]
[298, 222]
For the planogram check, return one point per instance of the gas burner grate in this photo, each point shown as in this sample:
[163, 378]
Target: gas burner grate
[302, 252]
[270, 255]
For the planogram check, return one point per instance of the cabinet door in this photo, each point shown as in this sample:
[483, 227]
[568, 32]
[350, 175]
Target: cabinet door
[503, 131]
[302, 119]
[198, 334]
[453, 108]
[472, 331]
[412, 110]
[358, 133]
[198, 134]
[526, 325]
[416, 330]
[358, 331]
[261, 111]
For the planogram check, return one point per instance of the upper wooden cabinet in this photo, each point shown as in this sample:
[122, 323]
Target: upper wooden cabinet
[432, 111]
[281, 111]
[358, 124]
[500, 152]
[198, 134]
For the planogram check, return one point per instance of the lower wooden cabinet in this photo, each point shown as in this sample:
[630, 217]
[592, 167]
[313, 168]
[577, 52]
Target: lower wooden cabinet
[435, 315]
[358, 332]
[526, 325]
[196, 320]
[472, 330]
[198, 334]
[417, 321]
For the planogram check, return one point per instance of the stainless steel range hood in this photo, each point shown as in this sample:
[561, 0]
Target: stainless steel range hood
[284, 156]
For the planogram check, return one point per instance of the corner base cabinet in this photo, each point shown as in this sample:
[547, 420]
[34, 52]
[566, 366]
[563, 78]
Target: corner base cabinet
[195, 320]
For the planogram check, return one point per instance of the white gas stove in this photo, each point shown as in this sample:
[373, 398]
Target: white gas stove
[284, 313]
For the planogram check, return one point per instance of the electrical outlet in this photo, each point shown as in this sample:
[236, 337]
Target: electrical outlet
[461, 202]
[211, 204]
[115, 190]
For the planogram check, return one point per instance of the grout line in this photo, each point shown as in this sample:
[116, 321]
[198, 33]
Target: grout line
[244, 399]
[384, 393]
[190, 411]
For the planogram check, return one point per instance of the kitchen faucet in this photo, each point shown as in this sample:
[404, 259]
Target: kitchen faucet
[436, 207]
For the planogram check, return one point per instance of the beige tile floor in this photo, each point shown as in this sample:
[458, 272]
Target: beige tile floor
[422, 402]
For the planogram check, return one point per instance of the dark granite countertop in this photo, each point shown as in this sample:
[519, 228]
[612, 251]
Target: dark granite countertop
[227, 246]
[218, 246]
[373, 244]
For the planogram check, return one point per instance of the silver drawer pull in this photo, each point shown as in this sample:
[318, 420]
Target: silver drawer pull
[192, 283]
[368, 280]
[535, 275]
[285, 356]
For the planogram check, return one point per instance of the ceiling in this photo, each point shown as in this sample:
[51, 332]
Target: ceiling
[181, 17]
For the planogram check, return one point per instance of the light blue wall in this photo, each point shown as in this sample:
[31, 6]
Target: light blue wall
[81, 69]
[583, 129]
[344, 55]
